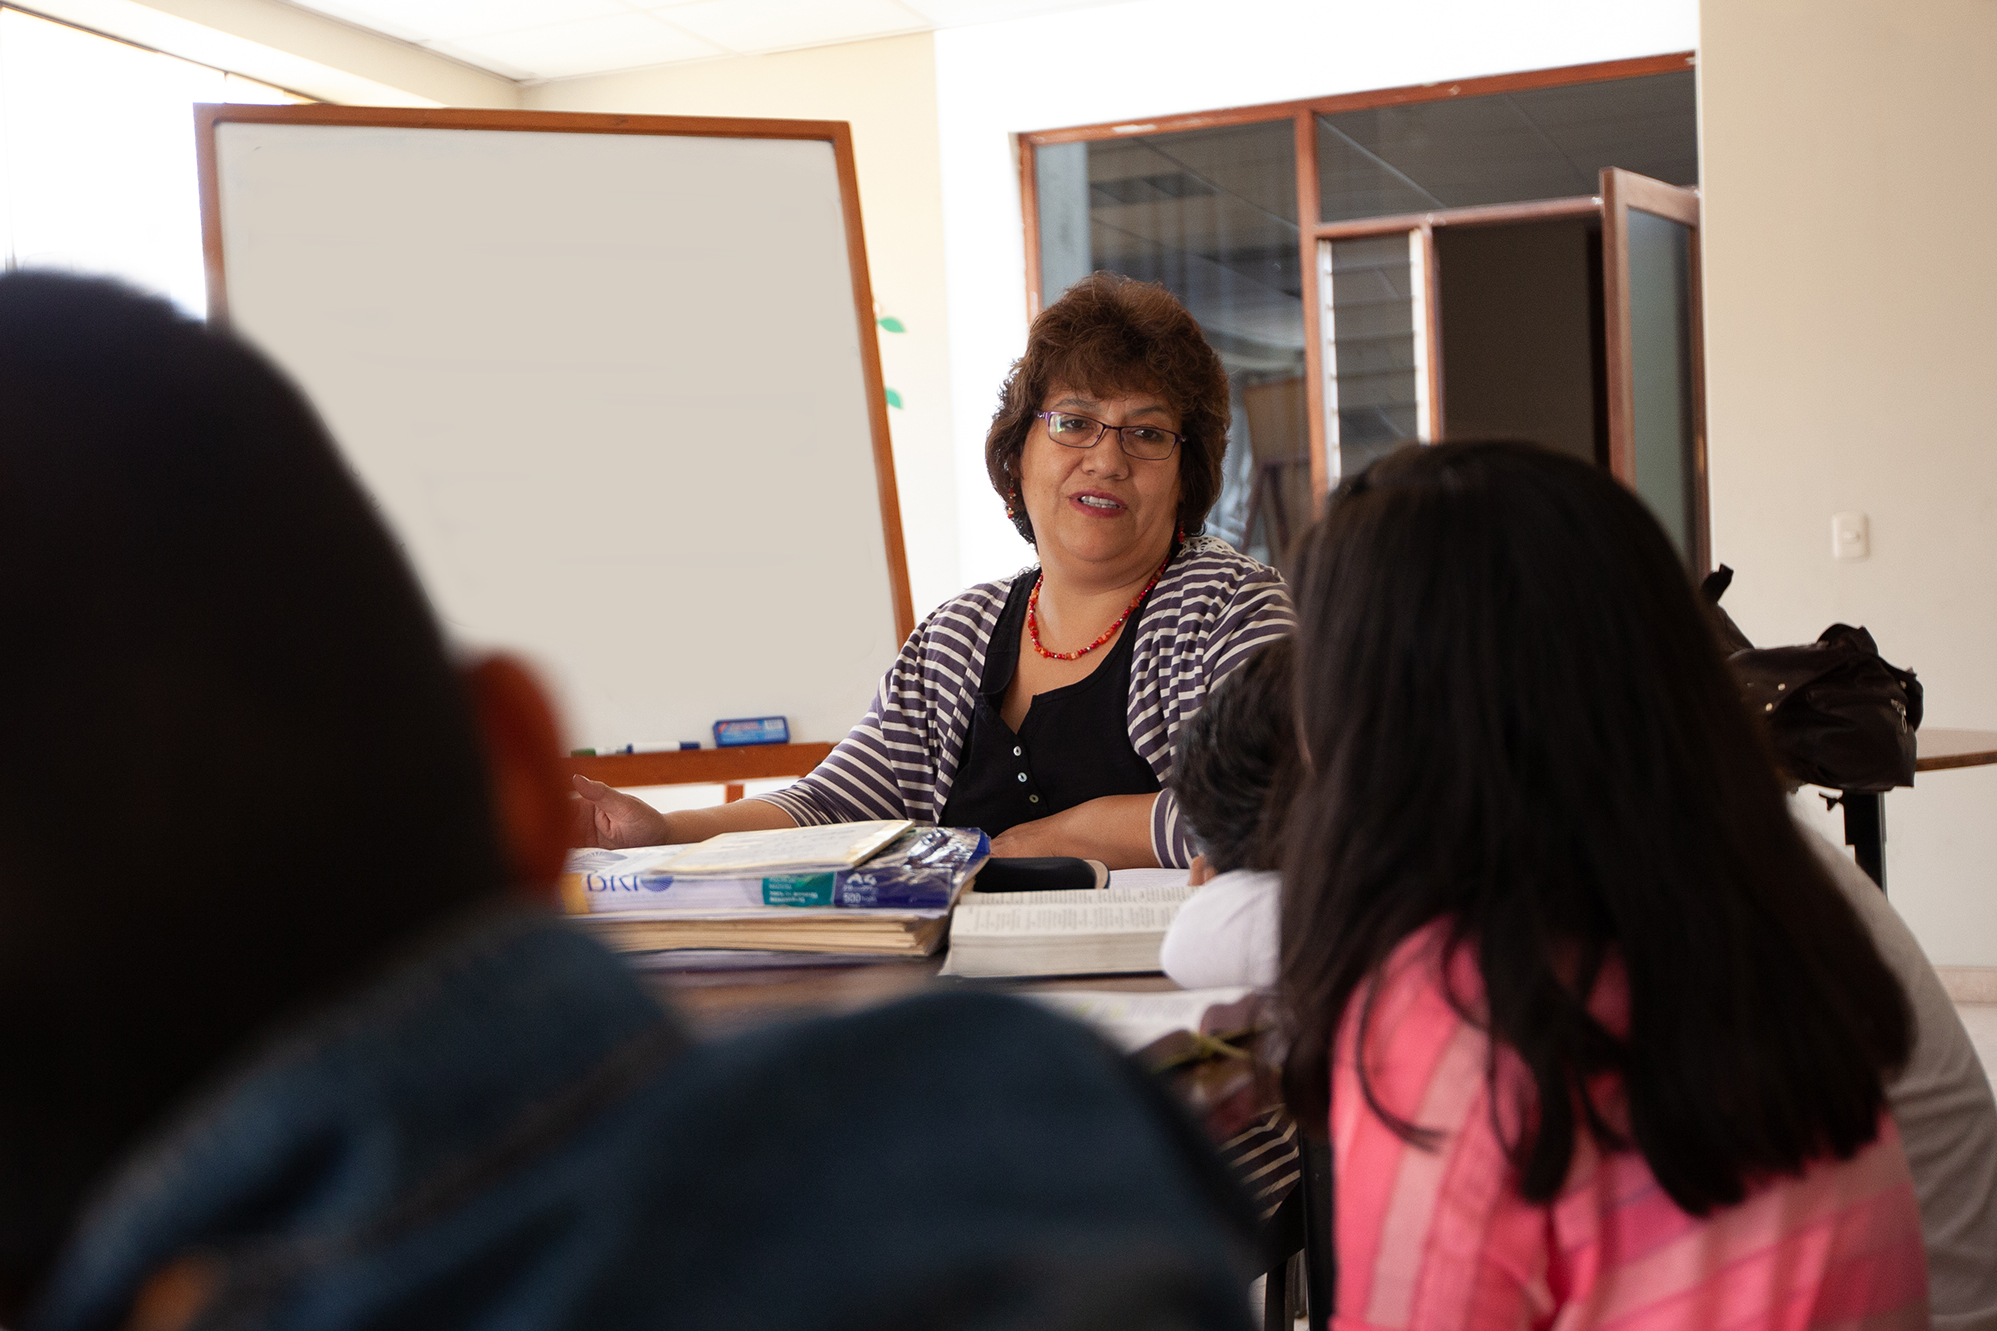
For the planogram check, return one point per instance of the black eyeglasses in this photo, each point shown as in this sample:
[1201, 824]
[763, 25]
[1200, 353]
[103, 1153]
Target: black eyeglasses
[1146, 443]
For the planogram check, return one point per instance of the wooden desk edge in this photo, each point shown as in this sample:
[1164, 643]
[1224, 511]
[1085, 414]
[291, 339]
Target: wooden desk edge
[695, 767]
[1943, 762]
[1956, 748]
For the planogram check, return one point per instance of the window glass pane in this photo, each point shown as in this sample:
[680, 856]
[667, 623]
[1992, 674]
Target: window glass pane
[1211, 214]
[1542, 143]
[97, 171]
[1660, 310]
[1372, 367]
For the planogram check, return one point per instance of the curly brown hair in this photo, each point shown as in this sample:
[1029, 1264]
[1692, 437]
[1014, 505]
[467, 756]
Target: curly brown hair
[1112, 335]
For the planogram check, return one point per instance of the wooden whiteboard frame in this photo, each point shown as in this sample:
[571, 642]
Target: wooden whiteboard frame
[836, 132]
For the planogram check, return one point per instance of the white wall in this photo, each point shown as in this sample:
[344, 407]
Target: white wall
[1852, 364]
[886, 88]
[1160, 57]
[291, 47]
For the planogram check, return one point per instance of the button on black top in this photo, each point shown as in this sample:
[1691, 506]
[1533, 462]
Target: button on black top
[1073, 746]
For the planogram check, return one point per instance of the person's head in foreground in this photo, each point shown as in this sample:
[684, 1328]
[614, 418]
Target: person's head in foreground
[1239, 751]
[1548, 927]
[286, 1042]
[1111, 427]
[224, 693]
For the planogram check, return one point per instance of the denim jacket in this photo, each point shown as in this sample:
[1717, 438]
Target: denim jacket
[506, 1131]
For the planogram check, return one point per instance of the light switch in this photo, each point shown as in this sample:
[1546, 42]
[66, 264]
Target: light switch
[1849, 538]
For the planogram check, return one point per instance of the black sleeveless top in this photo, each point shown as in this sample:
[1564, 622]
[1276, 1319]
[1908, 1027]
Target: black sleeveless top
[1073, 746]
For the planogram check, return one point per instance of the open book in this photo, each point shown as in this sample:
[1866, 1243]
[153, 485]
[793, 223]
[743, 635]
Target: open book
[1132, 1021]
[1117, 930]
[791, 850]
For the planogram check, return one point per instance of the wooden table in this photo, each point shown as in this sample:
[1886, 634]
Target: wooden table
[721, 1002]
[1936, 750]
[728, 767]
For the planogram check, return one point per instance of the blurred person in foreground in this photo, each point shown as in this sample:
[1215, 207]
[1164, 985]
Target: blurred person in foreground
[1596, 1040]
[289, 1040]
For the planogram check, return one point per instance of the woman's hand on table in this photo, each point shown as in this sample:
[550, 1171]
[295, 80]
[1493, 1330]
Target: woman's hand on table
[610, 818]
[607, 817]
[1115, 829]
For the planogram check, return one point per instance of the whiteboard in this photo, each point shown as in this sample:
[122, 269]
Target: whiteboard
[615, 393]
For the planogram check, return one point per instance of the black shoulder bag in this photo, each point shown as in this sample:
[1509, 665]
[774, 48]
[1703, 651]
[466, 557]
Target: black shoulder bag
[1839, 716]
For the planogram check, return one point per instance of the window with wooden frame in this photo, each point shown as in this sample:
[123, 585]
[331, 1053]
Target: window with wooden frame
[97, 154]
[1511, 256]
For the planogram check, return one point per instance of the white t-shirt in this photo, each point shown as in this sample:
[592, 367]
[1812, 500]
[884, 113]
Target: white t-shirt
[1948, 1119]
[1227, 935]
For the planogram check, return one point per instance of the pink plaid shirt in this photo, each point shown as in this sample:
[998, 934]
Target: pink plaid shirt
[1441, 1238]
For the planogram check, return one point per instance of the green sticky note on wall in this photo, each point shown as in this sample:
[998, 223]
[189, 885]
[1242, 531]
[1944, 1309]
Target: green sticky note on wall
[894, 398]
[893, 325]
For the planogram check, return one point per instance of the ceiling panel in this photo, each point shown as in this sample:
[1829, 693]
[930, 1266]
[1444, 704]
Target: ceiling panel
[551, 39]
[377, 18]
[771, 25]
[962, 13]
[441, 20]
[582, 46]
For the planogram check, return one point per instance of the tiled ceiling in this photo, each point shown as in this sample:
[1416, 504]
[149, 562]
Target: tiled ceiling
[554, 39]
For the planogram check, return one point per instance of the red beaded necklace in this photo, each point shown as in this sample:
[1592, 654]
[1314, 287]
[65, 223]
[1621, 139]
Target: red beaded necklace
[1033, 617]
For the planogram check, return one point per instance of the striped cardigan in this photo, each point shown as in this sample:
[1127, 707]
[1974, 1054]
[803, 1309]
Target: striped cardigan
[1207, 616]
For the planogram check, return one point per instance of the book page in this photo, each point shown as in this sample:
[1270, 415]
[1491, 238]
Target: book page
[1124, 878]
[1132, 1020]
[831, 846]
[845, 917]
[628, 862]
[1039, 914]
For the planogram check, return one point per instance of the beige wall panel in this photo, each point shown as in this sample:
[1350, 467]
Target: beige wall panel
[1852, 364]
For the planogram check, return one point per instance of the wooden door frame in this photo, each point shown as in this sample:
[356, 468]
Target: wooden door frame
[1310, 229]
[1428, 281]
[1601, 71]
[1621, 191]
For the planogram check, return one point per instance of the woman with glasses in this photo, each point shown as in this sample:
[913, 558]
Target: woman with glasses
[1043, 707]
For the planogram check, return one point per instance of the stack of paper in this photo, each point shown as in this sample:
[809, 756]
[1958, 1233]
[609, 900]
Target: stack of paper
[877, 889]
[774, 929]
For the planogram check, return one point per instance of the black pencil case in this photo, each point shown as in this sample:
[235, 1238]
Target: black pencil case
[1050, 873]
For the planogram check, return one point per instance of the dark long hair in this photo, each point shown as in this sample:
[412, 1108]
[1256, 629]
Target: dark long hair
[236, 767]
[1518, 723]
[1234, 756]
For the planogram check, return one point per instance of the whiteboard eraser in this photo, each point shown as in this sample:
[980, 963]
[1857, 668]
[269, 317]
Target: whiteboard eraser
[751, 730]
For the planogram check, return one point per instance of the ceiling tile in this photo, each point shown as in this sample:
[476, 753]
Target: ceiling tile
[379, 17]
[448, 19]
[426, 20]
[583, 46]
[485, 62]
[959, 13]
[770, 25]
